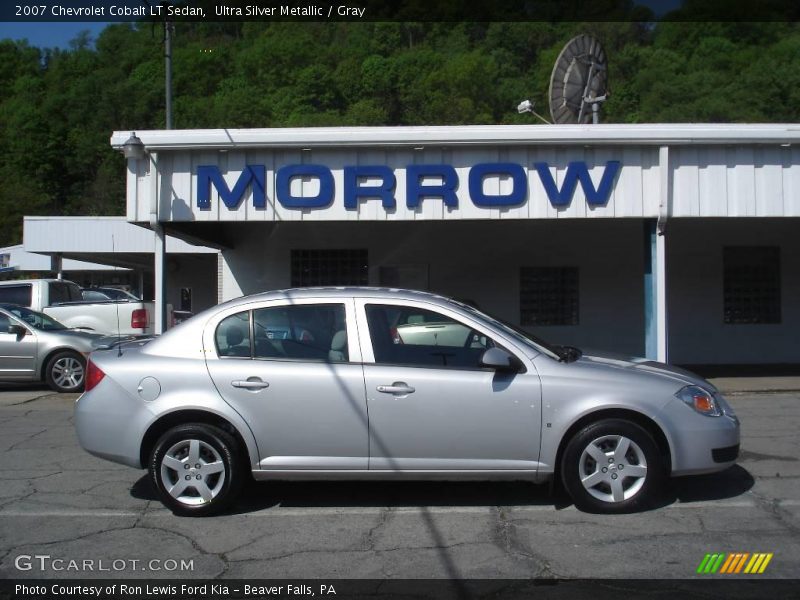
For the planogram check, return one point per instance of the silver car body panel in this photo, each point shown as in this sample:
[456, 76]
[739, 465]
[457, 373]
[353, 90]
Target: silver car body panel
[329, 420]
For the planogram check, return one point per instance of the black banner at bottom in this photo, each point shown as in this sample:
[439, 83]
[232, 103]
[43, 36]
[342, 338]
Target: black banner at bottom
[412, 589]
[558, 589]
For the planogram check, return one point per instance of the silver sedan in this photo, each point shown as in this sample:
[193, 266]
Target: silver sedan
[36, 347]
[360, 383]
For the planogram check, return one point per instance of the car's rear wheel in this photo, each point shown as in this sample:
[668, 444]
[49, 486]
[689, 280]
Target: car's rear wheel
[612, 466]
[65, 371]
[197, 469]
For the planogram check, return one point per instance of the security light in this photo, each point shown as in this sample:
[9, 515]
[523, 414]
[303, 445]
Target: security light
[133, 148]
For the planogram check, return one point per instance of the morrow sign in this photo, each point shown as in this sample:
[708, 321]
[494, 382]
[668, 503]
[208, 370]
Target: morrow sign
[369, 182]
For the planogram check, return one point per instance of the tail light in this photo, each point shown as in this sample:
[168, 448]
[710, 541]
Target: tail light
[93, 375]
[139, 318]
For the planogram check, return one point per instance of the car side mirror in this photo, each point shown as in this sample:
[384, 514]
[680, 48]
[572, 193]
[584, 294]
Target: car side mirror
[500, 360]
[17, 330]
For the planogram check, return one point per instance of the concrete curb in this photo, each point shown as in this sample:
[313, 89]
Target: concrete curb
[742, 385]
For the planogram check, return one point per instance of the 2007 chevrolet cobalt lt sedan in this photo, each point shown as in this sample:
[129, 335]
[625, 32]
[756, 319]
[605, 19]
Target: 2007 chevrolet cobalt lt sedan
[360, 383]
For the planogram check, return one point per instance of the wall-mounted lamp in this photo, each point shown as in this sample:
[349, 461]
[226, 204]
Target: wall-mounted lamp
[133, 148]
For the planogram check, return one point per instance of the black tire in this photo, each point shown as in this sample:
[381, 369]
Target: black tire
[634, 489]
[214, 444]
[65, 372]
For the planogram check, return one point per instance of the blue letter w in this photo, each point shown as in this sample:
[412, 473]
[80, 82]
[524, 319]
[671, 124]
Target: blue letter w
[578, 171]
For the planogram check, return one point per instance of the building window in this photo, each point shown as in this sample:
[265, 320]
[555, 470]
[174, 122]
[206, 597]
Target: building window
[329, 267]
[548, 296]
[752, 284]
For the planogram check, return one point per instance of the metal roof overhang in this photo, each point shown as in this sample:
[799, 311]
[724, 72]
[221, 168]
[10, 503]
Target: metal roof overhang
[471, 135]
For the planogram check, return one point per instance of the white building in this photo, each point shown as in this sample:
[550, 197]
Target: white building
[125, 256]
[679, 242]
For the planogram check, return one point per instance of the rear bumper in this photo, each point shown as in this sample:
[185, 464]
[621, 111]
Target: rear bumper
[109, 424]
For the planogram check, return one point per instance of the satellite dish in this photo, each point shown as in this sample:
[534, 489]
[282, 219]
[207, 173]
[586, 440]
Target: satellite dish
[578, 85]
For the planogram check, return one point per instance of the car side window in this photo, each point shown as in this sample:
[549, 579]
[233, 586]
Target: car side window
[4, 323]
[301, 331]
[233, 336]
[16, 294]
[405, 335]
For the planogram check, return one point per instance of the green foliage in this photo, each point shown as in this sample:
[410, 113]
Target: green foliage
[59, 107]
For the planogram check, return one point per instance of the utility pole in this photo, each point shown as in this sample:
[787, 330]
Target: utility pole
[160, 250]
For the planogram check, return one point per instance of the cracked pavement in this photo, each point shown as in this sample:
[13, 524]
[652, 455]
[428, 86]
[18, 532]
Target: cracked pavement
[57, 500]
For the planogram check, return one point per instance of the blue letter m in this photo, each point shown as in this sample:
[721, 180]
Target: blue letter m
[208, 175]
[578, 171]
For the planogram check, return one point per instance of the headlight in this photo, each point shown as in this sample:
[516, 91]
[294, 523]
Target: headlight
[701, 400]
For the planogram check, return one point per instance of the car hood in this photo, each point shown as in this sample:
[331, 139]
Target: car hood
[73, 335]
[645, 366]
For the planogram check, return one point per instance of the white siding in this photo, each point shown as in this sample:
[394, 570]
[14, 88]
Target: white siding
[633, 193]
[735, 181]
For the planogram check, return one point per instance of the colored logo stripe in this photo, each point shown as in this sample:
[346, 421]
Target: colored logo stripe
[734, 562]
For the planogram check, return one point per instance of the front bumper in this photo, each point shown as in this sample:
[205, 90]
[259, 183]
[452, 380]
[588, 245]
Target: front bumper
[701, 444]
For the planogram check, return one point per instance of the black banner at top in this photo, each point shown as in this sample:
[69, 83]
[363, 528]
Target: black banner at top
[399, 10]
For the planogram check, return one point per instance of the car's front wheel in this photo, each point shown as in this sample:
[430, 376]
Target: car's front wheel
[612, 466]
[197, 469]
[65, 371]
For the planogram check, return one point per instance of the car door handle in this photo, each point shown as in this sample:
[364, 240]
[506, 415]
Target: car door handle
[398, 387]
[250, 384]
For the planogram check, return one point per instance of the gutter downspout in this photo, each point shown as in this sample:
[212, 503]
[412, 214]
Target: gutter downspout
[159, 250]
[665, 194]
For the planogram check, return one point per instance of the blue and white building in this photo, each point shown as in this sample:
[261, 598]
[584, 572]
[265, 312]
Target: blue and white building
[678, 242]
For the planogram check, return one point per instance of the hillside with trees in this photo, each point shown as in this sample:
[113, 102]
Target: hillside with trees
[59, 107]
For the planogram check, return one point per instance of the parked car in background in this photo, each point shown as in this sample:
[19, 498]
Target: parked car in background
[36, 347]
[376, 383]
[64, 301]
[104, 294]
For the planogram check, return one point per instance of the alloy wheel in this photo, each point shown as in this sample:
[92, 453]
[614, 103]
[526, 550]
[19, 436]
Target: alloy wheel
[612, 468]
[192, 472]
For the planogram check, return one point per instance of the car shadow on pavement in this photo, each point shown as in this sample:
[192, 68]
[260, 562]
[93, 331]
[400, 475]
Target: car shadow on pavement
[263, 495]
[730, 483]
[259, 495]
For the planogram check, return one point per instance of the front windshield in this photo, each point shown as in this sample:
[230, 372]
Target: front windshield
[35, 319]
[517, 333]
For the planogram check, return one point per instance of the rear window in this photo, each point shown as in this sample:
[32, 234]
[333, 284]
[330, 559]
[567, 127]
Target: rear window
[64, 291]
[16, 294]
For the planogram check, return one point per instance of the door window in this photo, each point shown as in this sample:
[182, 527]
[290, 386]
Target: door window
[405, 335]
[233, 336]
[301, 331]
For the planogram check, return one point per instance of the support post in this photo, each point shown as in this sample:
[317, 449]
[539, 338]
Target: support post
[160, 252]
[661, 296]
[655, 297]
[57, 265]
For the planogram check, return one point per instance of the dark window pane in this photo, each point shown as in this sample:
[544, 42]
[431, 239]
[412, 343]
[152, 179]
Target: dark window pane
[548, 296]
[751, 284]
[301, 331]
[329, 267]
[16, 294]
[404, 335]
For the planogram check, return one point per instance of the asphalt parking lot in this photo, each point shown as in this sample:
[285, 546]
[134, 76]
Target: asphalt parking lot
[59, 502]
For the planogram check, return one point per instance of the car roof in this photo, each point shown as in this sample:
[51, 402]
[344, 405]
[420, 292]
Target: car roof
[342, 292]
